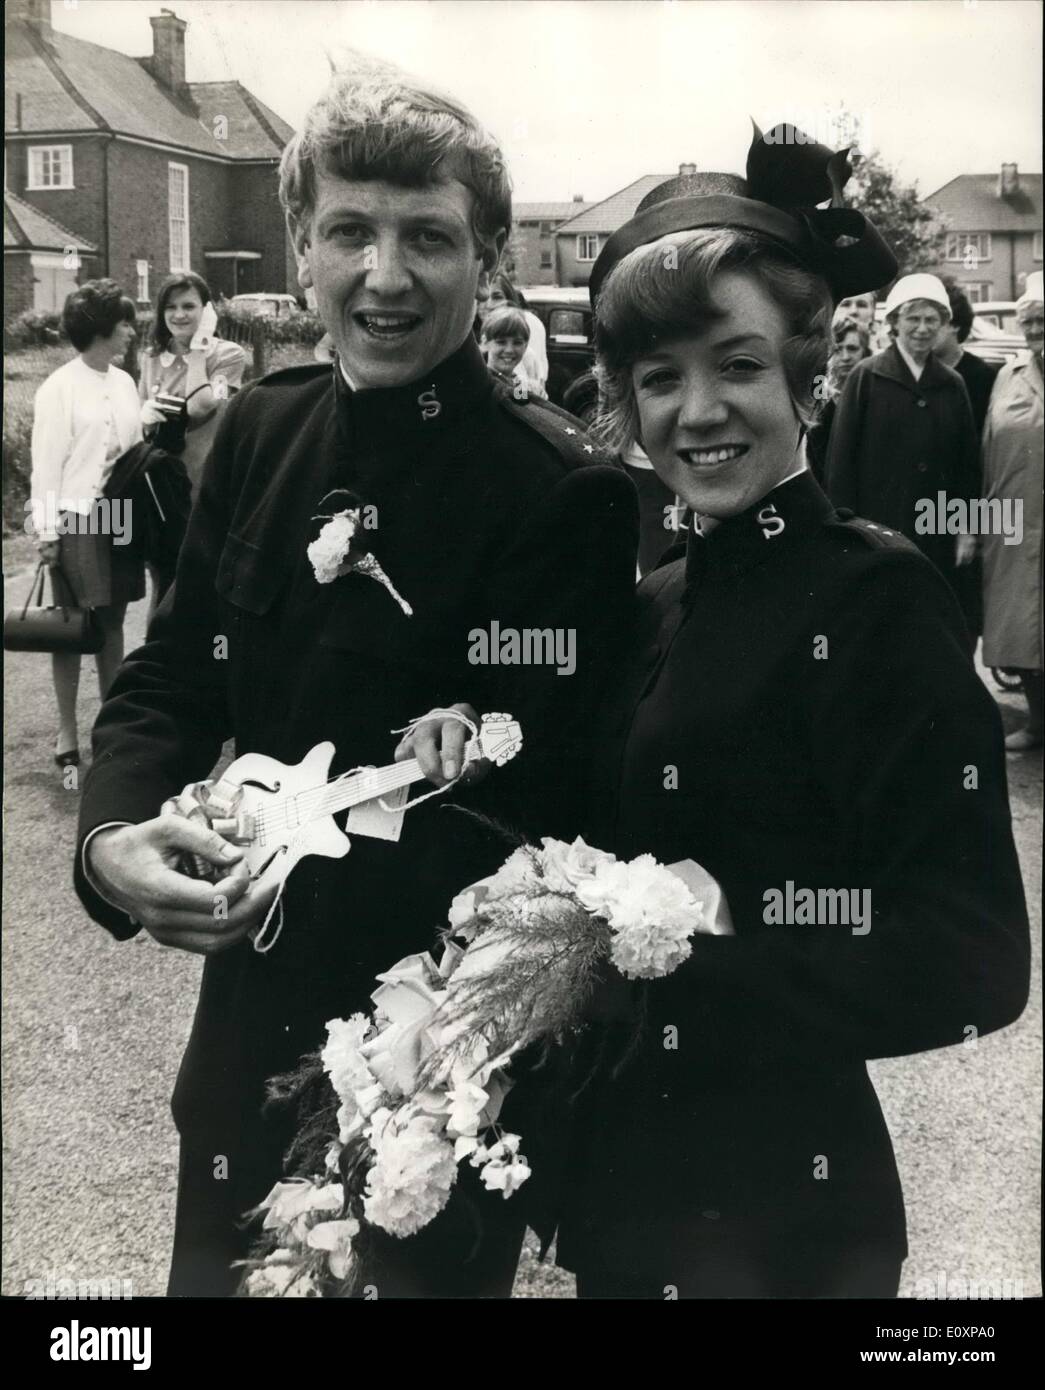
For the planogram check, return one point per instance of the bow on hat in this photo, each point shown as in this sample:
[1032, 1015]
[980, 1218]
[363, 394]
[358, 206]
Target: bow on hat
[788, 175]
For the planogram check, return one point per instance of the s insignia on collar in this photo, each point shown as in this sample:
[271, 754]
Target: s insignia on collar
[771, 522]
[430, 406]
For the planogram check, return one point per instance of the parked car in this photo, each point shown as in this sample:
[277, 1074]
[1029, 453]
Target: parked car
[567, 318]
[996, 343]
[1000, 312]
[266, 305]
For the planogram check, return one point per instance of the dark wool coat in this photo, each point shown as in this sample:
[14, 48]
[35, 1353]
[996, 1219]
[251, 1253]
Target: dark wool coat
[895, 441]
[486, 509]
[798, 709]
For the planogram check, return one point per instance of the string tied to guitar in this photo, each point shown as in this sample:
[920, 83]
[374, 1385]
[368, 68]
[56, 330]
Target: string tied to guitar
[414, 724]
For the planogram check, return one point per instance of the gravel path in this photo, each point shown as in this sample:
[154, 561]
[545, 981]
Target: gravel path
[93, 1031]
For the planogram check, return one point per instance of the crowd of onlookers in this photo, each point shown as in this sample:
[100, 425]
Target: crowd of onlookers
[907, 415]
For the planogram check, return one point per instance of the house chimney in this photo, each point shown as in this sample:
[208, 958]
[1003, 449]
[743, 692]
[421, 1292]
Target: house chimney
[578, 197]
[1008, 181]
[35, 13]
[686, 171]
[167, 64]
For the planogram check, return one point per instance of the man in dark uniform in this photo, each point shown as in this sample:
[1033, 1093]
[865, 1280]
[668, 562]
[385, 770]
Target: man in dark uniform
[488, 510]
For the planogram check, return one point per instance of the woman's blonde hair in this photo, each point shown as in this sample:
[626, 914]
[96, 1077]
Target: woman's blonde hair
[664, 290]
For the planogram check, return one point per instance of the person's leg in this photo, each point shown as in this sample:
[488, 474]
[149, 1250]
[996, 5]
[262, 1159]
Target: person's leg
[65, 670]
[109, 659]
[1030, 736]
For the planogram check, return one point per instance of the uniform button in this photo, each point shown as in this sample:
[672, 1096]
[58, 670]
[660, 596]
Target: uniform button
[922, 402]
[923, 468]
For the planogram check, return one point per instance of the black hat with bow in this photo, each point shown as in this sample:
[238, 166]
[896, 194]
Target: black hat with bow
[788, 175]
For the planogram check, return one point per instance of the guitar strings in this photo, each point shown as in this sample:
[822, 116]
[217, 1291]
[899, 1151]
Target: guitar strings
[313, 801]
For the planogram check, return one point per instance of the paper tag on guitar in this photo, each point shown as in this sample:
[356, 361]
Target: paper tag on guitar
[369, 818]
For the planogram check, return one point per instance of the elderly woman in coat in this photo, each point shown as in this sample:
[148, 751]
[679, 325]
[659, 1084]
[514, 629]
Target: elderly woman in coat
[904, 430]
[1012, 452]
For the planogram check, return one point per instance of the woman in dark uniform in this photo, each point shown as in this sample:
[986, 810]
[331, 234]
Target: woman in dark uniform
[798, 715]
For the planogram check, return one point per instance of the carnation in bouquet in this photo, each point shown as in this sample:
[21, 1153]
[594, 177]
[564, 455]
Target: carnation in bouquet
[415, 1090]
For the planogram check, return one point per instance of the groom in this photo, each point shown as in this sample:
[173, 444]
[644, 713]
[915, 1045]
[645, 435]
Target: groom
[487, 509]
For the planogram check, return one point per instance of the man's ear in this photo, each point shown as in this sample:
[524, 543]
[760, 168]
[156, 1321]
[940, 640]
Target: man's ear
[299, 239]
[489, 261]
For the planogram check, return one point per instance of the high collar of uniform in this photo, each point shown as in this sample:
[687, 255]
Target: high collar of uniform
[766, 530]
[891, 364]
[422, 407]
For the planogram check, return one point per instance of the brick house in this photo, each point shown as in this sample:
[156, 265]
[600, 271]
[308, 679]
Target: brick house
[994, 236]
[579, 241]
[152, 172]
[42, 259]
[532, 242]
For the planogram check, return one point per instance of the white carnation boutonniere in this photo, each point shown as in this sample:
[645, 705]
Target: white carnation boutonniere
[340, 547]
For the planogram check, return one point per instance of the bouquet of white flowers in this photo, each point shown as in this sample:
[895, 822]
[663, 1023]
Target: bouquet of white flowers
[419, 1085]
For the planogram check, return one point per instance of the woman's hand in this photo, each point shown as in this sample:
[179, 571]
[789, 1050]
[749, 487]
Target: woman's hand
[49, 551]
[151, 415]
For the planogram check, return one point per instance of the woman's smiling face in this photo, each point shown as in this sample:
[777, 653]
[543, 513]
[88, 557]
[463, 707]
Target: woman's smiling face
[182, 313]
[715, 410]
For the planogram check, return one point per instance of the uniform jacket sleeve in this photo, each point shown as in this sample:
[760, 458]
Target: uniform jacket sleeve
[911, 758]
[166, 717]
[570, 573]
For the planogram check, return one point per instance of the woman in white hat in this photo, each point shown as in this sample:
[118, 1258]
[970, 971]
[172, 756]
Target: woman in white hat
[904, 430]
[1012, 454]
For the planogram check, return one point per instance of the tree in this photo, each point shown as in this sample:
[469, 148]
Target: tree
[913, 229]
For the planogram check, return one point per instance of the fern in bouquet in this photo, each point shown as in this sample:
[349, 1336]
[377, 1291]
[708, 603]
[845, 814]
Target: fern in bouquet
[396, 1101]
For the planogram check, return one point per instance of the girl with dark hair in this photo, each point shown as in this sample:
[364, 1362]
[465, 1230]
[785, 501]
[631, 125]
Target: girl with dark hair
[795, 716]
[84, 417]
[185, 360]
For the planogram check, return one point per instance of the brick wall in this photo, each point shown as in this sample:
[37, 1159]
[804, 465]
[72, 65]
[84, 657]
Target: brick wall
[80, 208]
[526, 245]
[138, 200]
[256, 224]
[18, 283]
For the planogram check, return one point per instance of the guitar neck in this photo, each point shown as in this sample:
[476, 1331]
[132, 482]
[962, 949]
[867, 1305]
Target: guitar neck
[355, 788]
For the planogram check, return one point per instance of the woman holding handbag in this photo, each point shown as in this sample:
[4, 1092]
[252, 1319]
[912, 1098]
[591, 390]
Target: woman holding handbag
[85, 416]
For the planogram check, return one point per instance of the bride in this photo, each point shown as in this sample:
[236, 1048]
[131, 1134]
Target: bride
[798, 715]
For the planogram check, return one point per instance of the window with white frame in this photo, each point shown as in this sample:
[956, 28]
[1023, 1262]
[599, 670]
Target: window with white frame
[1037, 246]
[141, 269]
[178, 215]
[968, 248]
[979, 291]
[588, 247]
[50, 166]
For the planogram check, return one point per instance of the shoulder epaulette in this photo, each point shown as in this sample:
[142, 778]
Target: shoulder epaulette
[874, 533]
[561, 429]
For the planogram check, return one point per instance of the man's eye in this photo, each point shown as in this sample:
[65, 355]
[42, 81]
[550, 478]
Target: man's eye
[431, 236]
[352, 230]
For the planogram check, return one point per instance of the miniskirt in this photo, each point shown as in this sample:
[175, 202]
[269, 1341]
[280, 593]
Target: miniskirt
[98, 572]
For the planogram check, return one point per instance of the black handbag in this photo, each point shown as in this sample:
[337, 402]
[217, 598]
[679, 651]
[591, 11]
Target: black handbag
[58, 628]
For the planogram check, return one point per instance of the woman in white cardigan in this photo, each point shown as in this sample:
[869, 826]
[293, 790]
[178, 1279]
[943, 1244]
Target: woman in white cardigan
[85, 415]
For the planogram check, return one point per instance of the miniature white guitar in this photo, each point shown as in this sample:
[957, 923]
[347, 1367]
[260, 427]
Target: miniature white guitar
[279, 814]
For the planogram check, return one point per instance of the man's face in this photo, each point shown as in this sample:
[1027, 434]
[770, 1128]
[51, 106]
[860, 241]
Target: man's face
[396, 272]
[917, 325]
[846, 355]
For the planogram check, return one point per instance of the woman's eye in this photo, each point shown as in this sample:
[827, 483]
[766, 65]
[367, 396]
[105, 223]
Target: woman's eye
[658, 379]
[744, 366]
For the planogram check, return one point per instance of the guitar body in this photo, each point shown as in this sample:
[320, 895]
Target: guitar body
[282, 836]
[278, 814]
